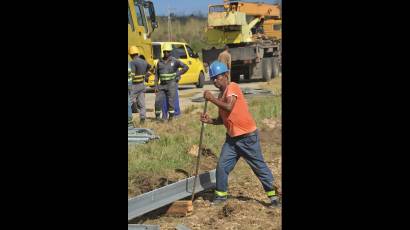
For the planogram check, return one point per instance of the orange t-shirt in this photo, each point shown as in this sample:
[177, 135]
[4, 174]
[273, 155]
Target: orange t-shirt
[239, 121]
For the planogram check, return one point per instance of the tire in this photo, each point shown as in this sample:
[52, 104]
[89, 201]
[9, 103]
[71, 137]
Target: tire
[235, 75]
[276, 72]
[201, 80]
[267, 70]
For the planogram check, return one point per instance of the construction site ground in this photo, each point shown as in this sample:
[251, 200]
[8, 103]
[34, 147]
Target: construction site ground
[247, 206]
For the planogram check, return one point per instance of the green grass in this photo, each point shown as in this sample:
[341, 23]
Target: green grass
[265, 107]
[170, 152]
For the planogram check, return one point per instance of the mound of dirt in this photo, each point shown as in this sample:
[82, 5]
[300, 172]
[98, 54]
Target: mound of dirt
[231, 207]
[208, 159]
[143, 183]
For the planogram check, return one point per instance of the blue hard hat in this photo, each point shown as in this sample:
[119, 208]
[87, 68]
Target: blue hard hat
[216, 69]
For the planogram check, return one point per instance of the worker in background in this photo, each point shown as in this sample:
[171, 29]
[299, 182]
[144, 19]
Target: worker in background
[225, 57]
[177, 110]
[168, 74]
[130, 76]
[242, 138]
[140, 68]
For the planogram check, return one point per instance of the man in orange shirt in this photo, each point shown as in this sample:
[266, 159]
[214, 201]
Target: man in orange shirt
[242, 138]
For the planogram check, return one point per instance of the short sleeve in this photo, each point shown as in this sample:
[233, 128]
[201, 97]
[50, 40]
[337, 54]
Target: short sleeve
[233, 90]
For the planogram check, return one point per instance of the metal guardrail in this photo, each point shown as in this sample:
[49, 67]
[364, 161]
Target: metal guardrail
[140, 135]
[143, 227]
[160, 197]
[182, 227]
[153, 227]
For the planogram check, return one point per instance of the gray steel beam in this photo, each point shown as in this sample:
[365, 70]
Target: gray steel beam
[160, 197]
[138, 139]
[182, 227]
[143, 227]
[140, 135]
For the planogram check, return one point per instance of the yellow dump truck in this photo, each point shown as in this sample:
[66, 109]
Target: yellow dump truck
[252, 31]
[141, 23]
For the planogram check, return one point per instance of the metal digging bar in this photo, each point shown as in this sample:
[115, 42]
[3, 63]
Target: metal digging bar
[199, 153]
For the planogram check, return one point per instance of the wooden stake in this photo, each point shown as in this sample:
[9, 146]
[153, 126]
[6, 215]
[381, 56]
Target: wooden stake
[180, 208]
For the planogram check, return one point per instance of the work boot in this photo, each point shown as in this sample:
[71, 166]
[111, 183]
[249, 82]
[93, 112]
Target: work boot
[159, 120]
[219, 200]
[274, 201]
[171, 117]
[157, 117]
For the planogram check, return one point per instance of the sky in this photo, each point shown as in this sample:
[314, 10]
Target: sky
[187, 7]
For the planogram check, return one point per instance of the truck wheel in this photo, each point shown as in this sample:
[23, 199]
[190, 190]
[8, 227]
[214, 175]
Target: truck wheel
[235, 75]
[267, 69]
[276, 68]
[201, 80]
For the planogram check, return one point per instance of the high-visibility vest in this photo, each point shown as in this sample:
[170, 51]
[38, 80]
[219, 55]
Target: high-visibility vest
[167, 76]
[138, 78]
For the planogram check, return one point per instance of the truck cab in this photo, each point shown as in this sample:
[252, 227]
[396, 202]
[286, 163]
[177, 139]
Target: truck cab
[141, 23]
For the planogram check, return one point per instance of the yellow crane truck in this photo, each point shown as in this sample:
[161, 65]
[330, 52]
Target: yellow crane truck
[141, 23]
[252, 31]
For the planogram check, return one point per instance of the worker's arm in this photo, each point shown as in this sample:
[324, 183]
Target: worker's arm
[214, 121]
[228, 106]
[148, 73]
[230, 62]
[183, 70]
